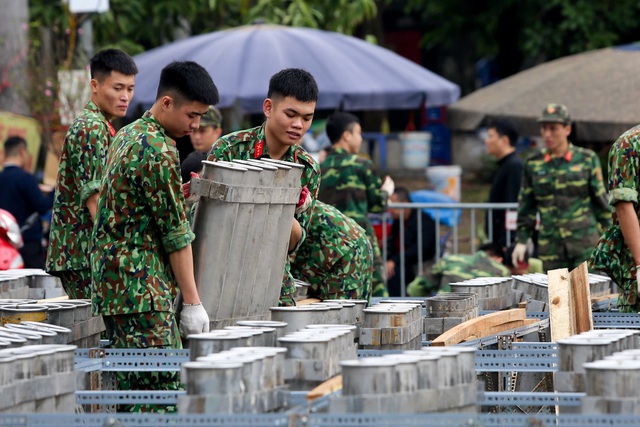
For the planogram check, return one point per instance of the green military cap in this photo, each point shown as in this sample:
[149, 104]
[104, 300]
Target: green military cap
[555, 113]
[213, 117]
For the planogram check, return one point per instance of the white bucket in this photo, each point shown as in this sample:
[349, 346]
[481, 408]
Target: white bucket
[416, 149]
[446, 180]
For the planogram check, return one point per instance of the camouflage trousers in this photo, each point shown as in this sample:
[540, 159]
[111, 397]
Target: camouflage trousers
[152, 329]
[378, 286]
[628, 298]
[76, 283]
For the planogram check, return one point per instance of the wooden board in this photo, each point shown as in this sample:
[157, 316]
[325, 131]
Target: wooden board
[308, 301]
[581, 298]
[560, 306]
[329, 386]
[613, 297]
[477, 327]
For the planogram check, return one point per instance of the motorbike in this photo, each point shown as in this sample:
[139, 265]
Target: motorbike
[10, 242]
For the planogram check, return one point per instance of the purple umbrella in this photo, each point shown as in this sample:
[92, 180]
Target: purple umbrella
[351, 73]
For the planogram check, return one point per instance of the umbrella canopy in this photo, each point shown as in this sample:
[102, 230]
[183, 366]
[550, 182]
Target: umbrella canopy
[600, 88]
[351, 73]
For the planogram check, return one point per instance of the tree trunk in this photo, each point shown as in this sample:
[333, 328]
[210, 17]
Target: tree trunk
[14, 46]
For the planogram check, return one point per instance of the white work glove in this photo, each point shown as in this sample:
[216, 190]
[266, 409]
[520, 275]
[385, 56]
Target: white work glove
[518, 253]
[304, 201]
[193, 319]
[388, 185]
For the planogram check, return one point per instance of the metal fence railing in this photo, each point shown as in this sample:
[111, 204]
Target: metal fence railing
[461, 236]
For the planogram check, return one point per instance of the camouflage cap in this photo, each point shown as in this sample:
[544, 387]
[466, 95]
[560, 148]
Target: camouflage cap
[555, 113]
[213, 117]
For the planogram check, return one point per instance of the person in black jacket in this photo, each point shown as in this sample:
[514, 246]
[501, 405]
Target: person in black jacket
[21, 196]
[411, 242]
[500, 142]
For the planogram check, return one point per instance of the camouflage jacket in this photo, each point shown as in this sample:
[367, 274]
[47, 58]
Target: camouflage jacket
[141, 219]
[336, 257]
[349, 184]
[251, 144]
[81, 167]
[456, 268]
[569, 194]
[612, 255]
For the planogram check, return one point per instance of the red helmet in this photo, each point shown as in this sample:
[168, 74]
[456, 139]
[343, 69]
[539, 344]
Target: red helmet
[10, 230]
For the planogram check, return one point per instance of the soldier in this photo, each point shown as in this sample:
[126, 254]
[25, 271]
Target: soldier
[564, 184]
[486, 262]
[335, 258]
[618, 251]
[142, 236]
[349, 183]
[81, 168]
[289, 108]
[202, 140]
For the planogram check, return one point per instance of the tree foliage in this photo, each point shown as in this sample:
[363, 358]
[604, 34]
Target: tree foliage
[526, 30]
[139, 25]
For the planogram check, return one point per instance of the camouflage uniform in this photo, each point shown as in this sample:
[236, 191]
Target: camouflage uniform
[456, 268]
[349, 183]
[612, 255]
[251, 144]
[570, 196]
[141, 219]
[335, 258]
[81, 166]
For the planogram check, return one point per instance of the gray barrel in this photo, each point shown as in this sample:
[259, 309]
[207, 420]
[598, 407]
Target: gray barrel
[205, 378]
[613, 378]
[252, 202]
[298, 317]
[575, 351]
[217, 341]
[278, 326]
[368, 376]
[82, 309]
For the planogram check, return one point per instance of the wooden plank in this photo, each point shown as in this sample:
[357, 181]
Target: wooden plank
[62, 298]
[474, 327]
[308, 301]
[613, 297]
[329, 386]
[504, 327]
[560, 307]
[581, 301]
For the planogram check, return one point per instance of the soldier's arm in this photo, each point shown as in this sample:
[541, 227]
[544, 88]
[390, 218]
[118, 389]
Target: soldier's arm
[220, 150]
[630, 228]
[526, 208]
[376, 198]
[598, 193]
[91, 140]
[310, 179]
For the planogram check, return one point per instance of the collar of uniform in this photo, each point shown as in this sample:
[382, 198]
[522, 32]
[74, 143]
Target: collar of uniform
[91, 106]
[261, 144]
[567, 156]
[339, 150]
[148, 117]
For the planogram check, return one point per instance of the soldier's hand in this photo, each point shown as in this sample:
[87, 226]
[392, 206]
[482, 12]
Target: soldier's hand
[388, 185]
[304, 201]
[518, 253]
[193, 319]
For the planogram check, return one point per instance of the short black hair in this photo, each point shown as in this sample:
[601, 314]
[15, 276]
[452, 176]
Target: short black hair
[505, 127]
[187, 81]
[338, 123]
[402, 194]
[294, 82]
[493, 249]
[108, 60]
[13, 144]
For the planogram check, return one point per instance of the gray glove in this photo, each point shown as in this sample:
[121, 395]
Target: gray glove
[193, 320]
